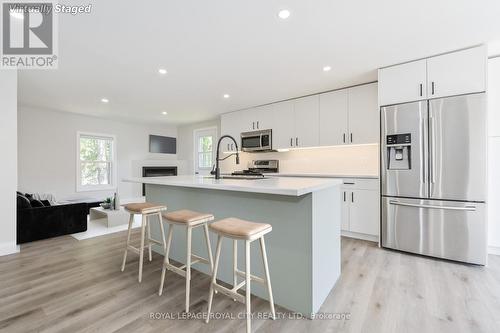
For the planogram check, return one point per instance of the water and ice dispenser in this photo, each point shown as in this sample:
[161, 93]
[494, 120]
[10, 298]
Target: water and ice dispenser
[398, 151]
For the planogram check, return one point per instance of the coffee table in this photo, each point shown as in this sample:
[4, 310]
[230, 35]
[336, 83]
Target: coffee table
[111, 217]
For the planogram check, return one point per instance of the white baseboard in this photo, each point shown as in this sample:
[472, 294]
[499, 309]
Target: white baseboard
[350, 234]
[9, 248]
[494, 250]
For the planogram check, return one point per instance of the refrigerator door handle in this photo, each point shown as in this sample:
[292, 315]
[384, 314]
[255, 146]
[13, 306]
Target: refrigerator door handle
[432, 153]
[422, 153]
[398, 203]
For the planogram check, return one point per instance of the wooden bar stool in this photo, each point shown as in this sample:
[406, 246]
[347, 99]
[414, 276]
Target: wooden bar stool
[189, 220]
[237, 229]
[147, 210]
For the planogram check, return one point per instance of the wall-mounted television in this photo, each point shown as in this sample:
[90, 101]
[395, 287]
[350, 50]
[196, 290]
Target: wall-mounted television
[162, 144]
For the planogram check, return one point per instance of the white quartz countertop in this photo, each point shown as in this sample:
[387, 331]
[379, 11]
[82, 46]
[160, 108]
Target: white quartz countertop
[293, 186]
[321, 175]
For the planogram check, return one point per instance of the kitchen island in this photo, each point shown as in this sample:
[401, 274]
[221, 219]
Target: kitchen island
[303, 248]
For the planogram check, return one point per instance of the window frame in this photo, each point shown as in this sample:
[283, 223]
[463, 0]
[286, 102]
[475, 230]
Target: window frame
[113, 162]
[195, 144]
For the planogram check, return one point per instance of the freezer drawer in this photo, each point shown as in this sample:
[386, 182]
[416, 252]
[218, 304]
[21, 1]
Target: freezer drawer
[445, 229]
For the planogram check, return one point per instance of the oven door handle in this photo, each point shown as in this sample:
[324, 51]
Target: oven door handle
[398, 203]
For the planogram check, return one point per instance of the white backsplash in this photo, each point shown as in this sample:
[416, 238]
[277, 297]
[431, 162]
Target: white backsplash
[341, 160]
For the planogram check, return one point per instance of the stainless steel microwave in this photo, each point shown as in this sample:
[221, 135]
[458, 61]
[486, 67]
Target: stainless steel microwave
[257, 141]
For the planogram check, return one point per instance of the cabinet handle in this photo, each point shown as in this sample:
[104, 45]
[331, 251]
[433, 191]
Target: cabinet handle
[351, 137]
[291, 142]
[253, 124]
[432, 85]
[257, 124]
[343, 137]
[228, 147]
[232, 146]
[297, 142]
[352, 196]
[421, 87]
[344, 196]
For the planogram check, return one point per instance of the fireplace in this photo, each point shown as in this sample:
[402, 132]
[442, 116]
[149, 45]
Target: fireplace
[157, 171]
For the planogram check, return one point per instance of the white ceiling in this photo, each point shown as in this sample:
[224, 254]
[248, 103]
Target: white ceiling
[239, 47]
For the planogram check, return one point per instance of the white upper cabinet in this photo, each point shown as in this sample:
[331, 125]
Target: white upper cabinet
[284, 125]
[364, 116]
[262, 117]
[333, 116]
[307, 121]
[457, 73]
[231, 124]
[402, 83]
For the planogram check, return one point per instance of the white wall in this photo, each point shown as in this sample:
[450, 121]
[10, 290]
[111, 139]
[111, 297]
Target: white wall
[185, 143]
[494, 155]
[8, 172]
[47, 151]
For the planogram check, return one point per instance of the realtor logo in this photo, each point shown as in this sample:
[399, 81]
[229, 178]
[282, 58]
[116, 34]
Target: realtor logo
[28, 35]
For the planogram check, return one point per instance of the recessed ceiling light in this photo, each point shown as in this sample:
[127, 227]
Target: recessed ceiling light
[17, 15]
[326, 69]
[226, 96]
[162, 71]
[104, 100]
[284, 14]
[164, 113]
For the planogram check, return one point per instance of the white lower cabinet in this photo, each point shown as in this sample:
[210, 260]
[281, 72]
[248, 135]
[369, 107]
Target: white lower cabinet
[361, 208]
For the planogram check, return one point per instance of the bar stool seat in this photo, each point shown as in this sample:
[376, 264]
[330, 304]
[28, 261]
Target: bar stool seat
[236, 228]
[147, 210]
[185, 216]
[144, 208]
[189, 220]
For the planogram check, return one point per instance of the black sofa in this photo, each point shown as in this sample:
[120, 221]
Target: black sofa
[39, 220]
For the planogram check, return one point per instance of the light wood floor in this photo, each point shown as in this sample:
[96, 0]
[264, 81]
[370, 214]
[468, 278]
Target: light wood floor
[65, 285]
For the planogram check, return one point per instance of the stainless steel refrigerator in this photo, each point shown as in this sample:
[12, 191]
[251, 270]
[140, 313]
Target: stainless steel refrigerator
[434, 178]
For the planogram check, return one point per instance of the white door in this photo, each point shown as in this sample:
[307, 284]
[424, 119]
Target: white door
[205, 143]
[333, 117]
[402, 83]
[307, 121]
[344, 224]
[284, 125]
[494, 97]
[457, 73]
[364, 115]
[494, 192]
[364, 212]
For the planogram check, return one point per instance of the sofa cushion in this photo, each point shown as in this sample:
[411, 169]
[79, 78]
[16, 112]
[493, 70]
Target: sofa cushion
[36, 203]
[22, 202]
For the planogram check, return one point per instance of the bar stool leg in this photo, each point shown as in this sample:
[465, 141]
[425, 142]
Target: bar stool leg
[166, 260]
[214, 276]
[160, 220]
[235, 264]
[130, 221]
[141, 250]
[247, 285]
[209, 248]
[188, 265]
[268, 279]
[148, 223]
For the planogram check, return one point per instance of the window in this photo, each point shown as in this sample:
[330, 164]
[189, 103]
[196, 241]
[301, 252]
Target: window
[95, 162]
[204, 147]
[205, 152]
